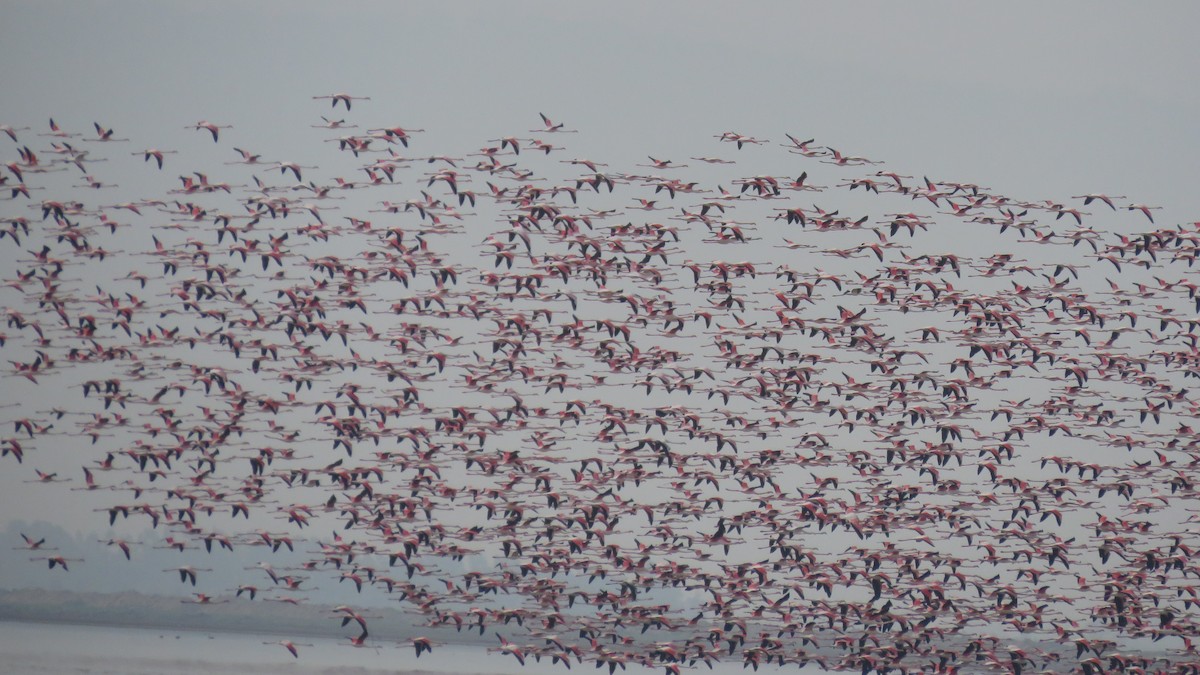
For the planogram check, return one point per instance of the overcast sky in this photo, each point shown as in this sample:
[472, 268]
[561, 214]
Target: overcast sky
[1027, 97]
[1039, 100]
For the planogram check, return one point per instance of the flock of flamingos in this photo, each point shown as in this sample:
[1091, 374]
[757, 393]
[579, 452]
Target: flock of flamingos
[844, 416]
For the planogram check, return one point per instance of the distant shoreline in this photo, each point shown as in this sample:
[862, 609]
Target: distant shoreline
[67, 621]
[175, 614]
[171, 613]
[32, 647]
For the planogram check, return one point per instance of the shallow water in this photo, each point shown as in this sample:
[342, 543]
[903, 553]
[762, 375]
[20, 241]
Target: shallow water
[71, 648]
[106, 650]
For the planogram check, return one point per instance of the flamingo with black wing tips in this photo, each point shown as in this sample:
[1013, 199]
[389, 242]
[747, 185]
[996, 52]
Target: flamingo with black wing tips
[156, 154]
[290, 646]
[334, 124]
[123, 545]
[104, 135]
[583, 162]
[187, 572]
[343, 97]
[511, 142]
[247, 157]
[422, 645]
[58, 561]
[398, 133]
[203, 599]
[800, 147]
[551, 126]
[662, 164]
[1144, 209]
[89, 480]
[295, 168]
[846, 160]
[739, 139]
[1089, 198]
[510, 648]
[57, 131]
[210, 127]
[360, 640]
[32, 545]
[12, 131]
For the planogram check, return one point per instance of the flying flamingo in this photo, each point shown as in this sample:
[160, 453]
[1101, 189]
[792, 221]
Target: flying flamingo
[551, 126]
[32, 545]
[422, 644]
[57, 131]
[104, 135]
[510, 648]
[213, 129]
[1089, 198]
[121, 544]
[1144, 209]
[58, 561]
[12, 131]
[290, 646]
[344, 98]
[334, 124]
[156, 154]
[187, 572]
[901, 353]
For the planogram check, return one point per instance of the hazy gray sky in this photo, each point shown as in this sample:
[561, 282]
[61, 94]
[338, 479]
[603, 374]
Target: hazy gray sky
[1042, 100]
[1035, 100]
[1029, 97]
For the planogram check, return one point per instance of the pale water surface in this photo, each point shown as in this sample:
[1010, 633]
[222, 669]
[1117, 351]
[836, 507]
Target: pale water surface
[72, 648]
